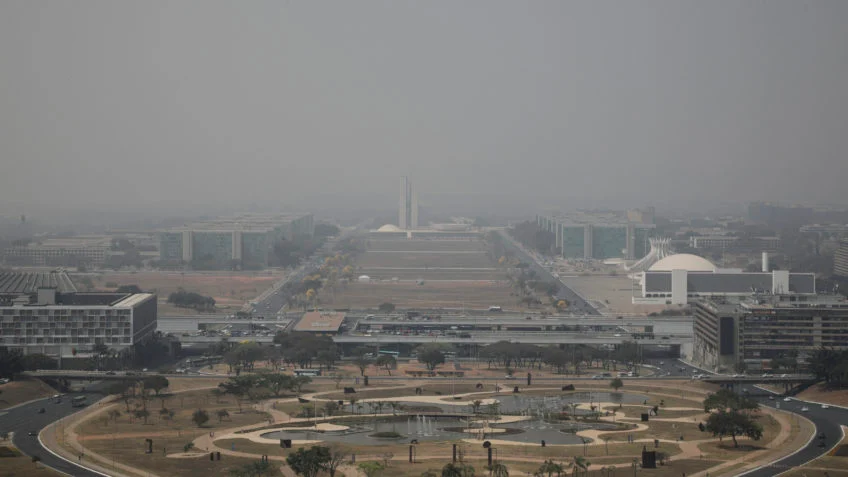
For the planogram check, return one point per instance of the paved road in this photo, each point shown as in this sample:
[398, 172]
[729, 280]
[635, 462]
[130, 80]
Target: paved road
[577, 303]
[827, 423]
[25, 419]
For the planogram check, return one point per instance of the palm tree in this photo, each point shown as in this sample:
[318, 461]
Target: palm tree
[475, 406]
[549, 468]
[581, 465]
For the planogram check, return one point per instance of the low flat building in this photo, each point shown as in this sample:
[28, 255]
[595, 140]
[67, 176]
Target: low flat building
[758, 329]
[60, 252]
[61, 322]
[683, 278]
[730, 242]
[322, 322]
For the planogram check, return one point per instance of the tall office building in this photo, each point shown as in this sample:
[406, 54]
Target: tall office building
[840, 259]
[408, 205]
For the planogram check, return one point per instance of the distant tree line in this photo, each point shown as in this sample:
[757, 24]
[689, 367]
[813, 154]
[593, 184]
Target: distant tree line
[531, 236]
[326, 230]
[831, 365]
[290, 253]
[184, 299]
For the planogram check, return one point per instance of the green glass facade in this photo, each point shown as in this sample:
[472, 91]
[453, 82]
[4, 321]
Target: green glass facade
[572, 241]
[212, 247]
[609, 242]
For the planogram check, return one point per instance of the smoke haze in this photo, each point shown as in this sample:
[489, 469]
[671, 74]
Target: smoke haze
[194, 105]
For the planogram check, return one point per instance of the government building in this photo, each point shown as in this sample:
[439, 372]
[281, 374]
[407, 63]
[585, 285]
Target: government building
[42, 312]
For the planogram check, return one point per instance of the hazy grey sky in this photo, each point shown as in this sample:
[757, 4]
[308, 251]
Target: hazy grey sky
[273, 102]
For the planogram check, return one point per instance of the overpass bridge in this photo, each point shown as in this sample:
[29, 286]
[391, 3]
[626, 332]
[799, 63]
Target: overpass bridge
[476, 338]
[791, 379]
[191, 323]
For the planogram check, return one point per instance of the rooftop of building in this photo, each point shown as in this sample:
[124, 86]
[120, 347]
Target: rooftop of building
[773, 302]
[244, 222]
[72, 299]
[30, 282]
[596, 218]
[320, 321]
[82, 241]
[683, 261]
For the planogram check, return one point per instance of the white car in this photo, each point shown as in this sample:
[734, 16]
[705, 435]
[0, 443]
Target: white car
[825, 406]
[787, 400]
[805, 409]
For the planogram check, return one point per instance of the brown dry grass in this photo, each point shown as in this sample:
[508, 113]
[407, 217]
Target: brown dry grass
[22, 466]
[230, 290]
[23, 390]
[820, 393]
[455, 294]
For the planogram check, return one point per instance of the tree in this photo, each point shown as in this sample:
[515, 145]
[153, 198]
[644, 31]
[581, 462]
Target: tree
[327, 358]
[386, 361]
[372, 468]
[457, 470]
[499, 470]
[337, 457]
[326, 230]
[732, 416]
[222, 413]
[549, 468]
[475, 406]
[299, 382]
[128, 289]
[308, 462]
[734, 423]
[277, 382]
[386, 307]
[431, 357]
[157, 383]
[142, 414]
[331, 407]
[616, 384]
[200, 417]
[581, 465]
[242, 386]
[362, 362]
[245, 355]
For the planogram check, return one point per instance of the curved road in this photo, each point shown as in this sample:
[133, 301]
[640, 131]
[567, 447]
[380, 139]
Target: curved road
[827, 423]
[25, 419]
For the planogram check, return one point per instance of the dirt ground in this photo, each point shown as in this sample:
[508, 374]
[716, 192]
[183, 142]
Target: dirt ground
[819, 393]
[23, 390]
[434, 295]
[229, 289]
[22, 466]
[612, 293]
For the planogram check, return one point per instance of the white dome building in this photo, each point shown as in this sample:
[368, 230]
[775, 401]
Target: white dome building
[389, 228]
[683, 261]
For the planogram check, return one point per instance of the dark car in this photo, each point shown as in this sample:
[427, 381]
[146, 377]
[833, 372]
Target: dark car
[110, 373]
[32, 433]
[42, 411]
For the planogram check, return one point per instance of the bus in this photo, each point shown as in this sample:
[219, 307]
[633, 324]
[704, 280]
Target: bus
[307, 372]
[78, 401]
[389, 353]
